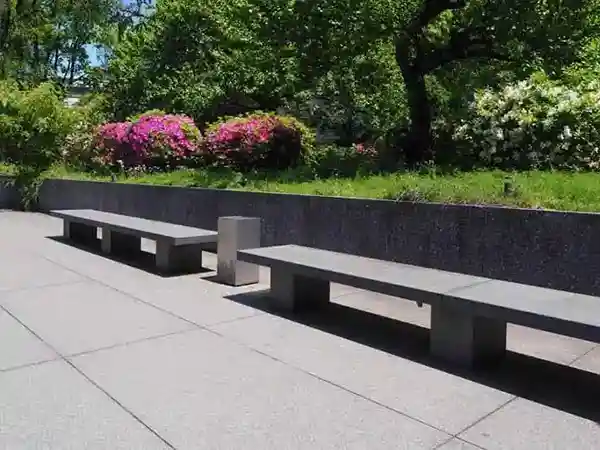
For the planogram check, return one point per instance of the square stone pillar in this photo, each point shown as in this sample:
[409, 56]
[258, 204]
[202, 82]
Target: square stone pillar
[122, 244]
[465, 340]
[237, 233]
[79, 232]
[297, 293]
[173, 259]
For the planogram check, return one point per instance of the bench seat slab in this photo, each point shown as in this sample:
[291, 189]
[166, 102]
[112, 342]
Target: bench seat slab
[79, 232]
[294, 292]
[117, 243]
[462, 339]
[178, 258]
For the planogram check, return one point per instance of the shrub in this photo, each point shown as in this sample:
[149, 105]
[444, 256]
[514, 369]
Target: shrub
[334, 160]
[150, 112]
[33, 125]
[258, 141]
[77, 149]
[163, 140]
[534, 124]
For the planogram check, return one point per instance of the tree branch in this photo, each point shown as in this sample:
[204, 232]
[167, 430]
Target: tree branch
[431, 10]
[466, 44]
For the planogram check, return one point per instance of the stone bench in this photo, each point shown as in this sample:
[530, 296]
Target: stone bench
[469, 314]
[178, 247]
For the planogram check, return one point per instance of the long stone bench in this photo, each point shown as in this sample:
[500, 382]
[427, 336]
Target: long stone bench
[178, 247]
[469, 314]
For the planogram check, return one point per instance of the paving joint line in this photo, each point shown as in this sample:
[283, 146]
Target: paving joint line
[331, 383]
[594, 348]
[485, 416]
[33, 288]
[237, 319]
[285, 363]
[33, 364]
[439, 446]
[93, 383]
[127, 343]
[254, 350]
[136, 298]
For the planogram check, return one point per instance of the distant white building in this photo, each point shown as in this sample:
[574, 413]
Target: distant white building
[75, 93]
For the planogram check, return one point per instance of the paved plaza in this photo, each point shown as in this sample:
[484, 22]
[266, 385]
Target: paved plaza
[97, 353]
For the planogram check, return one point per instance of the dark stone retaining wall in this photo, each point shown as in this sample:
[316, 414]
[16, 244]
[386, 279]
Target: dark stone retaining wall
[546, 248]
[8, 194]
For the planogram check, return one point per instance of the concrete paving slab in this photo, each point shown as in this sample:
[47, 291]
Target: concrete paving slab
[200, 391]
[590, 362]
[240, 394]
[544, 345]
[422, 392]
[52, 407]
[195, 300]
[18, 346]
[96, 267]
[525, 425]
[86, 316]
[22, 270]
[457, 444]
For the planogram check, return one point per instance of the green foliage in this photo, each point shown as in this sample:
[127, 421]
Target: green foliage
[188, 56]
[33, 126]
[45, 40]
[77, 148]
[152, 112]
[362, 101]
[337, 161]
[535, 124]
[574, 191]
[388, 73]
[248, 55]
[522, 36]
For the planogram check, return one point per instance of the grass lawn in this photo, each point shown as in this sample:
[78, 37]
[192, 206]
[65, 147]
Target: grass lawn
[550, 190]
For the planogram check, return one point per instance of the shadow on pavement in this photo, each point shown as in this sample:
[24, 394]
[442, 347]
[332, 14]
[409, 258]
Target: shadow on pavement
[140, 260]
[558, 386]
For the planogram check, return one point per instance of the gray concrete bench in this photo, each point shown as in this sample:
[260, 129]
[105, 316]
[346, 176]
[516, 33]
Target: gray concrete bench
[468, 314]
[178, 248]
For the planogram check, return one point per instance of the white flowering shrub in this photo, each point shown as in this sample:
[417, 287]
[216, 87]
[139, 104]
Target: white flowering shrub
[533, 125]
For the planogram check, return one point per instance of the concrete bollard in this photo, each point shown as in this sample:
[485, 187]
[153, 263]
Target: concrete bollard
[237, 233]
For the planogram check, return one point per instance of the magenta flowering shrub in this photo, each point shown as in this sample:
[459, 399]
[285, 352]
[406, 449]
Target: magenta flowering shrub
[152, 140]
[257, 141]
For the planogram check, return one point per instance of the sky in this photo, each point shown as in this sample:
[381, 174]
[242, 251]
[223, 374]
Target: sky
[93, 52]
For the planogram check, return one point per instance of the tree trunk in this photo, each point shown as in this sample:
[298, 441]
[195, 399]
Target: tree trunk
[418, 144]
[419, 140]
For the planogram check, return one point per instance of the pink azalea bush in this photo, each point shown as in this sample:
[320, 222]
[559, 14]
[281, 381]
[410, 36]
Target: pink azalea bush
[257, 141]
[151, 140]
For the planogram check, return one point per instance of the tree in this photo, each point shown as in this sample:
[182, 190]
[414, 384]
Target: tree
[526, 33]
[200, 58]
[45, 40]
[430, 36]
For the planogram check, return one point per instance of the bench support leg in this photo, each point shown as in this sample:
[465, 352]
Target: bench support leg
[237, 233]
[79, 232]
[120, 243]
[465, 340]
[296, 292]
[180, 258]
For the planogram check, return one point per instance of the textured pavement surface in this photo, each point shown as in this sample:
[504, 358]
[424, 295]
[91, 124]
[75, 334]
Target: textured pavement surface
[97, 353]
